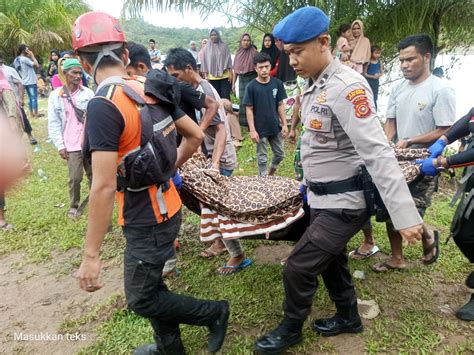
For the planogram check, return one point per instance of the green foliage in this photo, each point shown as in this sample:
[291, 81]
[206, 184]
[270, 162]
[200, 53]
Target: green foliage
[449, 22]
[41, 24]
[139, 31]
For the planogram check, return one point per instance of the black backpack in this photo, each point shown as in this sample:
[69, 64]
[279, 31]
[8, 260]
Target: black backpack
[153, 162]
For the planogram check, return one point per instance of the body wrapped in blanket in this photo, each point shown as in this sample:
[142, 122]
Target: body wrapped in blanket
[256, 207]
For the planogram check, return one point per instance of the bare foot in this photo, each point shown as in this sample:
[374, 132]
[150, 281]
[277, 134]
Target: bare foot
[217, 248]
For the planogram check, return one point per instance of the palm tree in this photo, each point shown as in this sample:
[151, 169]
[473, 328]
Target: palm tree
[42, 24]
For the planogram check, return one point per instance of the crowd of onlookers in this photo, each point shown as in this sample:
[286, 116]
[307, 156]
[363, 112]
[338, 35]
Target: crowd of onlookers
[191, 92]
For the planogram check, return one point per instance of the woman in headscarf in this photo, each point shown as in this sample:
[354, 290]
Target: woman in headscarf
[360, 46]
[269, 47]
[53, 63]
[216, 65]
[245, 70]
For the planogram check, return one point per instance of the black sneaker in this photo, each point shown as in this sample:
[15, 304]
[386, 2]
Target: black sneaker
[218, 329]
[336, 325]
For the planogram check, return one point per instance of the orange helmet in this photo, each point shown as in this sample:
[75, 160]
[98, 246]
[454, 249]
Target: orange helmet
[95, 28]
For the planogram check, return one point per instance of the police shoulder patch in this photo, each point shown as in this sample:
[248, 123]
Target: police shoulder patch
[360, 102]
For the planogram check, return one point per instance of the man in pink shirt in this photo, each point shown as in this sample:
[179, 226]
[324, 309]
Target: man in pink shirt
[66, 124]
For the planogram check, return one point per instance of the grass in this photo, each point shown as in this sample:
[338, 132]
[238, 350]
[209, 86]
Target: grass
[410, 322]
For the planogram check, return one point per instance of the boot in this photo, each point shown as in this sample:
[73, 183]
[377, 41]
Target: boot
[151, 349]
[218, 329]
[470, 282]
[346, 320]
[288, 333]
[466, 312]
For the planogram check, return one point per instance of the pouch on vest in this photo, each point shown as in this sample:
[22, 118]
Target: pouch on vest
[153, 162]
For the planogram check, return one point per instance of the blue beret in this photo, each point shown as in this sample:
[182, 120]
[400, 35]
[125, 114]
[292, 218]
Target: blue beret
[302, 25]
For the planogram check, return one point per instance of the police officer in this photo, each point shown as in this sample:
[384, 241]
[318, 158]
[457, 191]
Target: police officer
[462, 227]
[342, 133]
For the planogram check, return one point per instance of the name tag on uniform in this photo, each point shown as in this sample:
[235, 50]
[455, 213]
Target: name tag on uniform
[319, 118]
[321, 110]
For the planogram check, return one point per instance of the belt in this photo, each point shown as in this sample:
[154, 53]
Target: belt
[335, 187]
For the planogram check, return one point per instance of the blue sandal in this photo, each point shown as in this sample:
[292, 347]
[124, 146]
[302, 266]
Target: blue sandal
[230, 270]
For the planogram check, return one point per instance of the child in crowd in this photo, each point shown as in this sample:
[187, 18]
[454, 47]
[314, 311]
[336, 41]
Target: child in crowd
[343, 50]
[373, 71]
[234, 124]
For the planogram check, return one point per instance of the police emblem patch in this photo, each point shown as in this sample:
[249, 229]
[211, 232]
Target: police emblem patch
[354, 93]
[360, 102]
[316, 124]
[362, 107]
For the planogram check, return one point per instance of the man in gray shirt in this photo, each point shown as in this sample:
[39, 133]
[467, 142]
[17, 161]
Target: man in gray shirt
[420, 109]
[26, 64]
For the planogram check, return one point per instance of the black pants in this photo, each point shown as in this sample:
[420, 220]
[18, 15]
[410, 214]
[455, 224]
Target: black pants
[147, 250]
[321, 251]
[26, 123]
[223, 87]
[465, 237]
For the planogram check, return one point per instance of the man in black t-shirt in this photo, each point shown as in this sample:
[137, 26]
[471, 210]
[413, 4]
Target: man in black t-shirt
[266, 114]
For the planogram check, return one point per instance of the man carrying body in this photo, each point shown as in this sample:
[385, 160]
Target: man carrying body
[341, 133]
[420, 109]
[266, 116]
[190, 101]
[66, 128]
[218, 143]
[150, 217]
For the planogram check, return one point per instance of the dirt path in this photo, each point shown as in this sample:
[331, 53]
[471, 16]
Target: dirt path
[35, 301]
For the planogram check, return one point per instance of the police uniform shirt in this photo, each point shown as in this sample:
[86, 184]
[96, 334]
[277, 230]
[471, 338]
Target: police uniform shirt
[342, 132]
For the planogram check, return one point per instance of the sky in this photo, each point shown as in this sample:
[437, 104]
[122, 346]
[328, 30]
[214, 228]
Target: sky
[163, 19]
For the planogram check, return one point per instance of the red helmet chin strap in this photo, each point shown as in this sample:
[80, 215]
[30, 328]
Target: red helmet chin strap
[107, 50]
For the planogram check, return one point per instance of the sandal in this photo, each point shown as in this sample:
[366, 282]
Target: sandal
[72, 213]
[430, 248]
[384, 267]
[356, 254]
[6, 227]
[230, 269]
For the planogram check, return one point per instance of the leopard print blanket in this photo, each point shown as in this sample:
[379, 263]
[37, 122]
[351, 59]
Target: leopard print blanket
[248, 199]
[406, 160]
[258, 199]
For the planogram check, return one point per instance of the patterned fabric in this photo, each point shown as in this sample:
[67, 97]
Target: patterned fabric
[406, 159]
[250, 199]
[215, 225]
